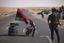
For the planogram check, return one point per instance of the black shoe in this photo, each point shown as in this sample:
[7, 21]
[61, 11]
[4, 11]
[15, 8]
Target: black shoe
[53, 41]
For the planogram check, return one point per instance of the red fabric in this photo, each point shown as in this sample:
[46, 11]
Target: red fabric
[25, 17]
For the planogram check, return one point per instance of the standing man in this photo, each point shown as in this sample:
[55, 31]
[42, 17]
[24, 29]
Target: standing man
[53, 22]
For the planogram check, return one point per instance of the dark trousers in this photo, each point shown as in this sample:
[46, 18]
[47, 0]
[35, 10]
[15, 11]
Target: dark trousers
[52, 33]
[33, 32]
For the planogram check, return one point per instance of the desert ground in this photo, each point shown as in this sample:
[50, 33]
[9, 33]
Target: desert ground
[6, 11]
[33, 10]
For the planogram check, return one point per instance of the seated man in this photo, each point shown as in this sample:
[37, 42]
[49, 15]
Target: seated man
[31, 27]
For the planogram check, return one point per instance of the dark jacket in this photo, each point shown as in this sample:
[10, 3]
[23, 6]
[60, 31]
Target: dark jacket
[54, 20]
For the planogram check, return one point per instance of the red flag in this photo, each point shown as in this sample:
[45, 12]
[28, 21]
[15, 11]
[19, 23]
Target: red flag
[21, 17]
[25, 17]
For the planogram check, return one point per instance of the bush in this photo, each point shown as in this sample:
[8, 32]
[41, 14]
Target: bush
[46, 11]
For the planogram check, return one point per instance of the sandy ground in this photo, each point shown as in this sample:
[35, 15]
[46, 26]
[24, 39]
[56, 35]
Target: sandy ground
[4, 11]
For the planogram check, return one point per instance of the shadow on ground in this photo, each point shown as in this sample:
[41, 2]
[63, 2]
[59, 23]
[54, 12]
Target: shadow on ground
[16, 35]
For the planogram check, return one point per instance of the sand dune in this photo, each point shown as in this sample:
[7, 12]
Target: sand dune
[6, 10]
[33, 10]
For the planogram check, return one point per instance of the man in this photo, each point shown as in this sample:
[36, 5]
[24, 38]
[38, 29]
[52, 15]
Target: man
[31, 27]
[53, 22]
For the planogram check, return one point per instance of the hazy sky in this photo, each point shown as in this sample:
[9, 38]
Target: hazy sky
[31, 3]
